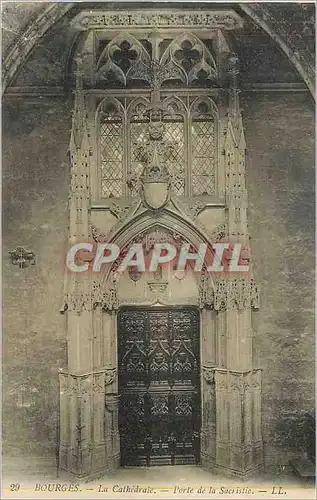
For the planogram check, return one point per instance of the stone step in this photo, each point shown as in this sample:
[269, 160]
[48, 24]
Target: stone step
[304, 467]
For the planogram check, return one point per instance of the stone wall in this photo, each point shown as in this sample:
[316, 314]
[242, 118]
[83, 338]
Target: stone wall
[280, 176]
[280, 138]
[35, 190]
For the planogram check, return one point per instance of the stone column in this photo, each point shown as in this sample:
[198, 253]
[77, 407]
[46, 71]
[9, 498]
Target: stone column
[237, 386]
[231, 440]
[238, 422]
[208, 363]
[208, 430]
[88, 401]
[112, 397]
[87, 418]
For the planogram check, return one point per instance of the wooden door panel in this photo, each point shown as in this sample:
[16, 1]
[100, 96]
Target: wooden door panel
[158, 358]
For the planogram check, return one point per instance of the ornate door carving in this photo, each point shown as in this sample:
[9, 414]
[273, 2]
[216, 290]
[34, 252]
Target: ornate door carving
[159, 384]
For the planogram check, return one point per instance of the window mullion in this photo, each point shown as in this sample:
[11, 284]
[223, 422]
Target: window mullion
[125, 189]
[188, 191]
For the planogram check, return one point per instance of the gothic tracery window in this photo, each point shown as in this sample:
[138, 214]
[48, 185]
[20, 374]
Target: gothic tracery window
[111, 151]
[188, 121]
[204, 148]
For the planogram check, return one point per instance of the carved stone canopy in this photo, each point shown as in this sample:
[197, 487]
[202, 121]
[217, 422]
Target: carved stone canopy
[155, 178]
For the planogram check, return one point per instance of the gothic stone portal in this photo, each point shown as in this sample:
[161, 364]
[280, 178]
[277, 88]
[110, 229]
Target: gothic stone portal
[159, 386]
[160, 162]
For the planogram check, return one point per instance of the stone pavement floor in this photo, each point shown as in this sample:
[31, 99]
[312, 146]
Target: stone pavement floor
[38, 480]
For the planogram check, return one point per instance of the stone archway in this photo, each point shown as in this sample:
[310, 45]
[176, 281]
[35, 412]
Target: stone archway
[230, 437]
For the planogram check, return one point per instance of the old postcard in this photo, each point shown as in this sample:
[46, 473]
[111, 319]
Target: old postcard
[158, 250]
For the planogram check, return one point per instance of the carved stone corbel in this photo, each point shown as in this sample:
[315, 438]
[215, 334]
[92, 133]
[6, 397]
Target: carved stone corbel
[110, 375]
[208, 374]
[223, 19]
[119, 211]
[157, 287]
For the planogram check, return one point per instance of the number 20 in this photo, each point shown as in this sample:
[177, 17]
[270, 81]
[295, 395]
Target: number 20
[14, 487]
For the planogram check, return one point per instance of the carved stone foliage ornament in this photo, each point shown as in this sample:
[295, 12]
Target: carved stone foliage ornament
[95, 234]
[206, 292]
[157, 287]
[219, 233]
[228, 293]
[106, 297]
[81, 385]
[77, 302]
[157, 235]
[119, 211]
[236, 293]
[238, 381]
[22, 258]
[222, 19]
[195, 208]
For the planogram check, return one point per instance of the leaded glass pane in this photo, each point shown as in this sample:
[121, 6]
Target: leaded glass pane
[139, 137]
[203, 157]
[111, 158]
[174, 136]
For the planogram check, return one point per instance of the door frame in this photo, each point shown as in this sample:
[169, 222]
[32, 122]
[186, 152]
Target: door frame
[140, 307]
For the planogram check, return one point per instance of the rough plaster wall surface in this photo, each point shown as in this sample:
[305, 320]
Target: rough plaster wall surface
[15, 17]
[280, 140]
[35, 216]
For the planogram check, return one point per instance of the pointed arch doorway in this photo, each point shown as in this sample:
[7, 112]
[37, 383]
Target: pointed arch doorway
[159, 385]
[194, 198]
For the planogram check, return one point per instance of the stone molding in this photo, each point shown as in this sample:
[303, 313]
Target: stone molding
[81, 385]
[219, 294]
[228, 293]
[27, 38]
[87, 301]
[237, 381]
[222, 19]
[232, 381]
[77, 302]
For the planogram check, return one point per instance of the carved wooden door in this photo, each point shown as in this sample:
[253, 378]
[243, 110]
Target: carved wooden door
[159, 386]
